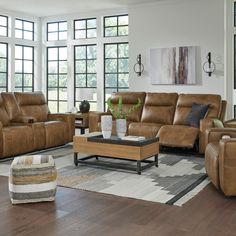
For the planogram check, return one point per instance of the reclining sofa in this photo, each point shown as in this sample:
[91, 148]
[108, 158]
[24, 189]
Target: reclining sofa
[27, 125]
[164, 115]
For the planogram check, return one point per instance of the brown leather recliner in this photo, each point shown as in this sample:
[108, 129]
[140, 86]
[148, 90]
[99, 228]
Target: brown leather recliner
[220, 159]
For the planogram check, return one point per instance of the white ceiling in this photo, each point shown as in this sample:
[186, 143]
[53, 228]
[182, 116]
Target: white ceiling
[42, 8]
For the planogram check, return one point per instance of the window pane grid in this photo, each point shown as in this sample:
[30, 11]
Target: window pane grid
[24, 29]
[116, 26]
[57, 79]
[86, 75]
[85, 28]
[116, 68]
[57, 31]
[3, 25]
[24, 68]
[3, 67]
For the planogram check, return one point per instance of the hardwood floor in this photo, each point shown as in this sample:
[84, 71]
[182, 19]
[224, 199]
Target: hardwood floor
[77, 212]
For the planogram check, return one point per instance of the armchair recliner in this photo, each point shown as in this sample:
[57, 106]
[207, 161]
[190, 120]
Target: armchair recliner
[220, 159]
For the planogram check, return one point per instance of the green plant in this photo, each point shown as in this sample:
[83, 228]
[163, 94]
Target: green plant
[119, 113]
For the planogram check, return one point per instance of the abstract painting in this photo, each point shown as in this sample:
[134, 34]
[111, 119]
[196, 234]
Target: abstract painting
[174, 65]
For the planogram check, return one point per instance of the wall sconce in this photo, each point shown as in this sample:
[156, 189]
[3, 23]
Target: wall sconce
[209, 66]
[138, 66]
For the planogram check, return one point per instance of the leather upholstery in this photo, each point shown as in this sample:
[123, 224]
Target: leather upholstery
[220, 160]
[164, 114]
[129, 99]
[159, 108]
[26, 124]
[185, 102]
[33, 104]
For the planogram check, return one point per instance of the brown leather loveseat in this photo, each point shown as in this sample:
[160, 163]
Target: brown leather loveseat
[26, 124]
[164, 115]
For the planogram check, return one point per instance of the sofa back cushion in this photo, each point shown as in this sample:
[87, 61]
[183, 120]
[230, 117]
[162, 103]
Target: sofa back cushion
[159, 108]
[33, 104]
[11, 105]
[4, 118]
[185, 102]
[129, 99]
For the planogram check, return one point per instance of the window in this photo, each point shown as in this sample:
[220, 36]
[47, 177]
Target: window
[57, 79]
[116, 68]
[3, 66]
[57, 31]
[3, 25]
[24, 29]
[86, 28]
[85, 75]
[24, 68]
[116, 25]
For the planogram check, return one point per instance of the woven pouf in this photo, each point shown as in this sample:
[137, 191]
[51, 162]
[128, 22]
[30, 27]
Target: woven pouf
[32, 179]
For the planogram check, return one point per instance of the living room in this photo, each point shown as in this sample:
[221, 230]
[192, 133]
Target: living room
[73, 51]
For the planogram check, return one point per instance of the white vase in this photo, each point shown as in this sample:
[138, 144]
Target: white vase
[106, 126]
[120, 127]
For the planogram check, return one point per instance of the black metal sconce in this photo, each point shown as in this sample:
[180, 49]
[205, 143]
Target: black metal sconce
[209, 66]
[138, 66]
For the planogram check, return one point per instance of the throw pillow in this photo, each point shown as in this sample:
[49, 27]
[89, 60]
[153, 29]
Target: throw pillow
[198, 112]
[218, 123]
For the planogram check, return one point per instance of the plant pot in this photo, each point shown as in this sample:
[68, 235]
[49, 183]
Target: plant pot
[106, 126]
[120, 127]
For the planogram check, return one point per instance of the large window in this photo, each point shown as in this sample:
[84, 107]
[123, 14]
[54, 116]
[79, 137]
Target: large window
[85, 28]
[24, 68]
[57, 78]
[24, 29]
[57, 31]
[86, 75]
[3, 66]
[116, 26]
[116, 68]
[3, 25]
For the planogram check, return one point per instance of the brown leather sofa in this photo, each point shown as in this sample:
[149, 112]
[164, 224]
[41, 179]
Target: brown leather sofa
[220, 159]
[164, 115]
[26, 124]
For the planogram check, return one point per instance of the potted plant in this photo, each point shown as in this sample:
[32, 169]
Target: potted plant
[120, 115]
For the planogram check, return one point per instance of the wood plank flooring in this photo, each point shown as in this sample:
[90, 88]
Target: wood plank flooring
[77, 212]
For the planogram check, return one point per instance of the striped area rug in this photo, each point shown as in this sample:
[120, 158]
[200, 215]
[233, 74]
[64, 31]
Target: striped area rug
[174, 182]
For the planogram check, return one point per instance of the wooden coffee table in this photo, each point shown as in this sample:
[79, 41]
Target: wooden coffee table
[94, 145]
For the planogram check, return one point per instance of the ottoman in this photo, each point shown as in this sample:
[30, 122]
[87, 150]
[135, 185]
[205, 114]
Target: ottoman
[32, 179]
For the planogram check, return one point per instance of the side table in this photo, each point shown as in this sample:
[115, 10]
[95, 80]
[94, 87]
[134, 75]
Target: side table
[82, 121]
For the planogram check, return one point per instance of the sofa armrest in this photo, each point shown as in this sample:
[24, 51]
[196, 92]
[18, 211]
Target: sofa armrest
[94, 119]
[205, 124]
[227, 166]
[215, 134]
[69, 119]
[1, 139]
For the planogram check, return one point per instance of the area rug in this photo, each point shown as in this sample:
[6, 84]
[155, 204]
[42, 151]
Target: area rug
[174, 182]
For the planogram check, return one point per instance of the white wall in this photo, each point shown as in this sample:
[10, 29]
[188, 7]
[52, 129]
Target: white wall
[181, 23]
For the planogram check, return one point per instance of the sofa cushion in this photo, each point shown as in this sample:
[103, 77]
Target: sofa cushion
[148, 130]
[33, 104]
[178, 136]
[129, 99]
[159, 108]
[198, 112]
[185, 101]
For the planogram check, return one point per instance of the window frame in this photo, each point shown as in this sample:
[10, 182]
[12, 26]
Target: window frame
[86, 27]
[57, 31]
[117, 26]
[117, 69]
[24, 30]
[23, 73]
[58, 75]
[5, 26]
[86, 73]
[6, 87]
